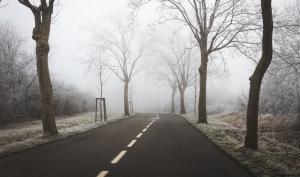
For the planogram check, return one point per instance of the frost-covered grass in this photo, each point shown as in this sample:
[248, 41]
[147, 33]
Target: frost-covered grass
[20, 136]
[278, 154]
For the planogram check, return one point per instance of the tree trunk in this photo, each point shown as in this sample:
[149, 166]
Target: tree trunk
[182, 105]
[42, 18]
[195, 96]
[202, 95]
[48, 117]
[101, 90]
[297, 123]
[173, 101]
[126, 105]
[251, 139]
[41, 34]
[101, 81]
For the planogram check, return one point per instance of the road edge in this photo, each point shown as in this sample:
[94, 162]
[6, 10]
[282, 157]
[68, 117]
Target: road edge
[61, 138]
[251, 173]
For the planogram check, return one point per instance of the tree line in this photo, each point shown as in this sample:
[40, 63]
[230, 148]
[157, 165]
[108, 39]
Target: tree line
[215, 26]
[229, 24]
[19, 88]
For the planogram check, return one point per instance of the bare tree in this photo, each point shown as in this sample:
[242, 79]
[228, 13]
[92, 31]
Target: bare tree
[281, 86]
[180, 62]
[215, 25]
[125, 48]
[195, 93]
[42, 17]
[11, 71]
[164, 74]
[15, 63]
[251, 139]
[96, 63]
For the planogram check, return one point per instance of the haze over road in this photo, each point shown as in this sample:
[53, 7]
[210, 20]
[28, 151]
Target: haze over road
[147, 145]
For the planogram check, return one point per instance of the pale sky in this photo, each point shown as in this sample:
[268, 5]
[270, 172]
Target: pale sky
[71, 30]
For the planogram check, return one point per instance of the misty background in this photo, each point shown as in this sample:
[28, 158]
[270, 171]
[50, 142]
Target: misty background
[75, 26]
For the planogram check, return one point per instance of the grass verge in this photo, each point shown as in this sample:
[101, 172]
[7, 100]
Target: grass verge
[278, 154]
[21, 136]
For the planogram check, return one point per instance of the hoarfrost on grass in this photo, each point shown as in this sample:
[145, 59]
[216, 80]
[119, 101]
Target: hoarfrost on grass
[20, 136]
[278, 154]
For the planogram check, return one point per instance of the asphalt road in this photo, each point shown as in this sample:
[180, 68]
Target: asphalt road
[144, 146]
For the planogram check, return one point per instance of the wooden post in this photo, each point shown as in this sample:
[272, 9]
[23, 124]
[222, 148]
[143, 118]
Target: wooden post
[101, 116]
[96, 110]
[104, 107]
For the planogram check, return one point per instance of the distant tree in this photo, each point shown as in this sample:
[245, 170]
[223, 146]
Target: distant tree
[215, 25]
[96, 63]
[281, 86]
[251, 139]
[69, 100]
[42, 18]
[10, 69]
[165, 75]
[180, 61]
[124, 48]
[15, 65]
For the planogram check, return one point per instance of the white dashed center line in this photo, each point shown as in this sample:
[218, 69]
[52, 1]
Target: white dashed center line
[118, 157]
[131, 143]
[139, 135]
[122, 153]
[103, 174]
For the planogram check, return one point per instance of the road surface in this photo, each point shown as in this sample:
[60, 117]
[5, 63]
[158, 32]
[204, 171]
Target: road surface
[147, 145]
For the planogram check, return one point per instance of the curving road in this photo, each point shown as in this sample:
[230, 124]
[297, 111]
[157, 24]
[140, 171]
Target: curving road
[147, 145]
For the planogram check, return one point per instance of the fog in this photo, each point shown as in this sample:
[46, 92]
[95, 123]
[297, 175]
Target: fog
[73, 28]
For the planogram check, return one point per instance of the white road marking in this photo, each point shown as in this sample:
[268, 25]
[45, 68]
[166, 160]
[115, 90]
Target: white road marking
[131, 143]
[148, 125]
[139, 135]
[118, 157]
[102, 174]
[145, 130]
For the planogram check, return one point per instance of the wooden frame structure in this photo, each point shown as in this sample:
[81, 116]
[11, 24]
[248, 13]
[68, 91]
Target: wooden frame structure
[102, 109]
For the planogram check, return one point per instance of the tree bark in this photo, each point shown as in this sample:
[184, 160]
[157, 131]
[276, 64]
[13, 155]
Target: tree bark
[101, 80]
[202, 117]
[41, 34]
[251, 139]
[182, 105]
[126, 105]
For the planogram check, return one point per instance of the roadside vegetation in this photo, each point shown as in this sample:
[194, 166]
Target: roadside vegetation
[19, 87]
[17, 137]
[278, 154]
[205, 36]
